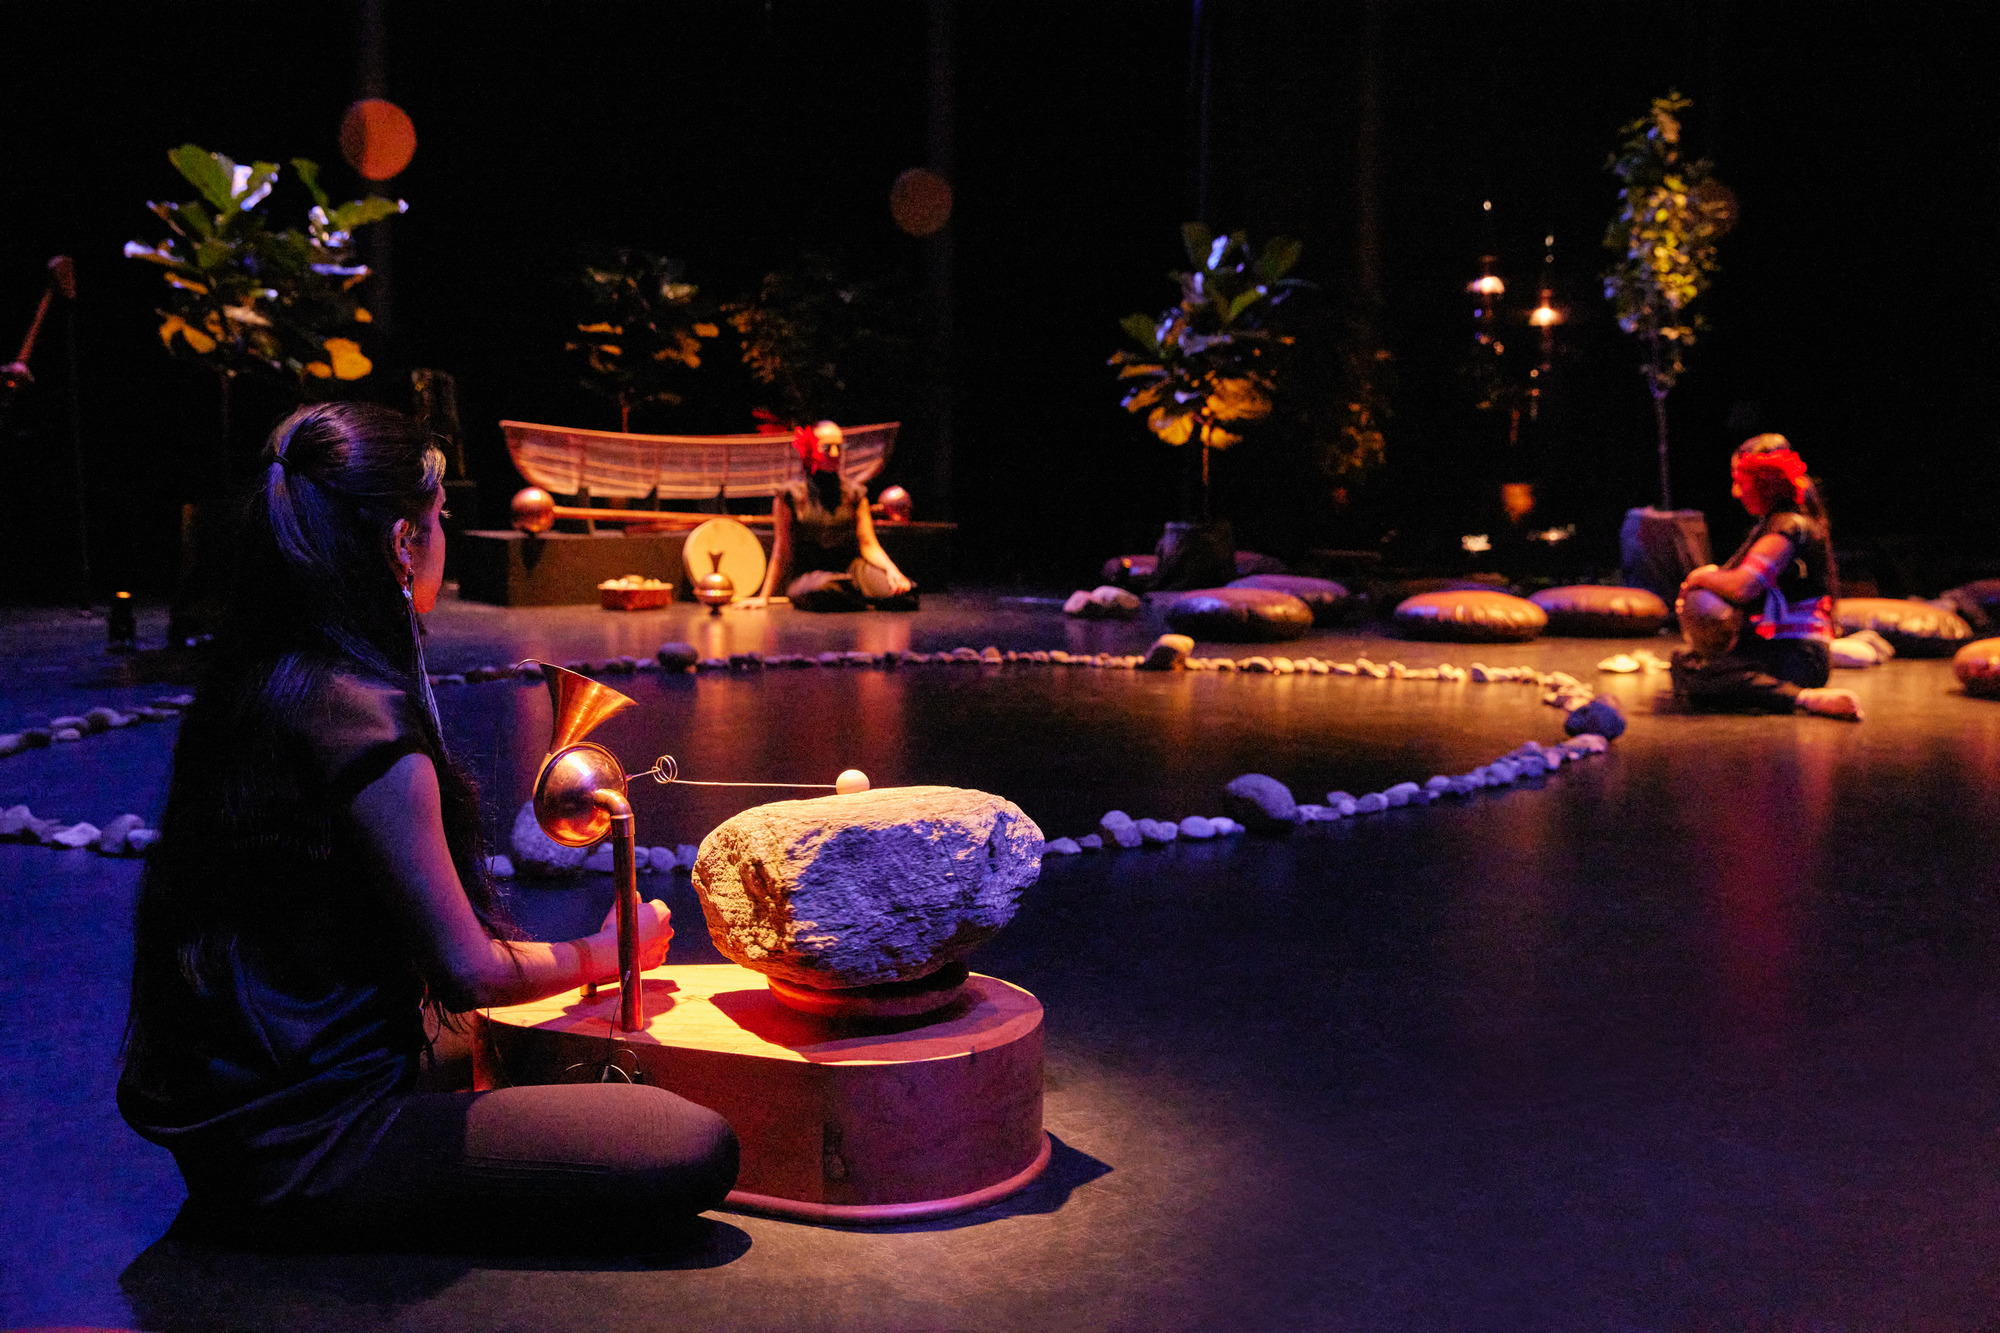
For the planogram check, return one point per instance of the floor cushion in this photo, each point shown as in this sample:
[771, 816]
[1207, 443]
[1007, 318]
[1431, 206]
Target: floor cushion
[1240, 615]
[1252, 562]
[1327, 599]
[1913, 628]
[1977, 666]
[1469, 615]
[1591, 611]
[1977, 602]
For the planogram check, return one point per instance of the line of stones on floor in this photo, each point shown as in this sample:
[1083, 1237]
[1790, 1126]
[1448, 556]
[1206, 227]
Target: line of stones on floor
[127, 834]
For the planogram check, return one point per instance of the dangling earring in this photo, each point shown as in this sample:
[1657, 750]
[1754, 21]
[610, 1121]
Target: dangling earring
[417, 642]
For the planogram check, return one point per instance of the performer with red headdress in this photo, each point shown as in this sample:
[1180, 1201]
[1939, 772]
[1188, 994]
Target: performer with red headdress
[1781, 583]
[821, 526]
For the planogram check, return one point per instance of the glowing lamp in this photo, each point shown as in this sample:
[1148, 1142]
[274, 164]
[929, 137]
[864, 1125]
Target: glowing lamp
[1544, 315]
[377, 138]
[1489, 285]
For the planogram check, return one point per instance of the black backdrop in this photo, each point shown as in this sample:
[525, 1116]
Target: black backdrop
[1854, 311]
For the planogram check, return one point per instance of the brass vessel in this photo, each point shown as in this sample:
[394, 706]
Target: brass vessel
[715, 589]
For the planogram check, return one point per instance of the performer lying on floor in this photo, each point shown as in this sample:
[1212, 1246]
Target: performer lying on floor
[316, 907]
[822, 525]
[1783, 576]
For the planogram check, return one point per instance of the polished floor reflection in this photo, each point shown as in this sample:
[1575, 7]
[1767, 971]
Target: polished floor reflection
[1704, 1033]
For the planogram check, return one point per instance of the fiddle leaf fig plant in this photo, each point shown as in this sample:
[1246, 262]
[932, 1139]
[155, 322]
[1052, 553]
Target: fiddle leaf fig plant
[642, 330]
[1671, 213]
[1206, 367]
[245, 297]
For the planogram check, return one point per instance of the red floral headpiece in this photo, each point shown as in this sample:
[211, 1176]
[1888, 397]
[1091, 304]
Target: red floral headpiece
[1763, 469]
[816, 456]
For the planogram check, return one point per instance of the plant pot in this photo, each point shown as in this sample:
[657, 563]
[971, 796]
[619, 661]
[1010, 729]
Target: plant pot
[1657, 548]
[1195, 555]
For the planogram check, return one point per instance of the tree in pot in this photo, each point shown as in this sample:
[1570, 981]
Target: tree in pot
[1671, 213]
[1204, 369]
[641, 332]
[246, 299]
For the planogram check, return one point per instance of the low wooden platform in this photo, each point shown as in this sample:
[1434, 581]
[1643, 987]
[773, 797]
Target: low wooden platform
[510, 568]
[840, 1120]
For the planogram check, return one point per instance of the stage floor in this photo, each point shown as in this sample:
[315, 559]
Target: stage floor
[1704, 1033]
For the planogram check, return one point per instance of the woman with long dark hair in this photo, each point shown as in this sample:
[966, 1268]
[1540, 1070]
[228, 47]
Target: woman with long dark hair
[316, 907]
[821, 527]
[1760, 625]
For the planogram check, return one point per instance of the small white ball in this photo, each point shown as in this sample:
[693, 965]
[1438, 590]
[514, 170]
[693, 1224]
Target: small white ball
[850, 782]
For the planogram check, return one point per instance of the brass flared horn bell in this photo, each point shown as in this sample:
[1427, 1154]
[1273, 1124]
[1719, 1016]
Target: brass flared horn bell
[575, 772]
[579, 798]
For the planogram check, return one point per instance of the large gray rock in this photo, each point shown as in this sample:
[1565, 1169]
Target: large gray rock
[858, 890]
[1262, 803]
[539, 854]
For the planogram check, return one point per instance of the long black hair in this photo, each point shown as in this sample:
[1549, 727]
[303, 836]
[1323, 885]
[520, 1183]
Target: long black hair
[315, 596]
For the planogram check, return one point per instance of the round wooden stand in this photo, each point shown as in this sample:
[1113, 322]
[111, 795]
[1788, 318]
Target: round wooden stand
[841, 1119]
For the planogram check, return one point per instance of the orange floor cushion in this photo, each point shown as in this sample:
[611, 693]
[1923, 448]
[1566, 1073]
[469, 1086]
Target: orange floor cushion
[1977, 666]
[1593, 611]
[1913, 628]
[1240, 615]
[1468, 616]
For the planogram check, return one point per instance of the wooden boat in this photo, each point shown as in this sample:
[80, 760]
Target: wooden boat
[564, 460]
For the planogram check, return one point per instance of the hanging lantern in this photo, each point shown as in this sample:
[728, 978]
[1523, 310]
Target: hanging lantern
[377, 138]
[920, 202]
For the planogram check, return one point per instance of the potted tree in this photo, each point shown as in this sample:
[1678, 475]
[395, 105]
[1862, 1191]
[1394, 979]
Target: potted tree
[1203, 370]
[1671, 213]
[245, 298]
[641, 332]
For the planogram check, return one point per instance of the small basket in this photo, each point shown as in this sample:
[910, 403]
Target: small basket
[629, 598]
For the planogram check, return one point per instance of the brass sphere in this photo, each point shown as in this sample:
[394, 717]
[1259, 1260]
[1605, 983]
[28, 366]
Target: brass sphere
[895, 504]
[715, 589]
[566, 793]
[534, 510]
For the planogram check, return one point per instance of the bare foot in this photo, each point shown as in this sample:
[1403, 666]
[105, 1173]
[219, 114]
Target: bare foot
[1844, 704]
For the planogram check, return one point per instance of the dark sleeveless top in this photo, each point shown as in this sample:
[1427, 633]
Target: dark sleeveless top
[274, 1083]
[824, 538]
[1798, 601]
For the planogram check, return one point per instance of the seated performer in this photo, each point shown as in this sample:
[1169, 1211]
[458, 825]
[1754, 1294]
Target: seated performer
[822, 525]
[316, 912]
[1777, 657]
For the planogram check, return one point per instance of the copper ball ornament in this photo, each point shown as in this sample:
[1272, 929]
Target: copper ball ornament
[534, 510]
[920, 202]
[715, 589]
[377, 138]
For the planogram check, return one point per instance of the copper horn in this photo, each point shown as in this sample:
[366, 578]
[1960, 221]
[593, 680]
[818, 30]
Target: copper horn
[579, 798]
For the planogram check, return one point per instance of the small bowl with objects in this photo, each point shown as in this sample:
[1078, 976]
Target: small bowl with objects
[634, 592]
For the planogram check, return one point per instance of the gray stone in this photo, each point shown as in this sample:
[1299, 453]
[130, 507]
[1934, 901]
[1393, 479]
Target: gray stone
[1198, 826]
[874, 887]
[11, 743]
[75, 837]
[111, 841]
[140, 839]
[1091, 842]
[677, 656]
[1225, 827]
[1127, 836]
[1062, 847]
[1261, 803]
[1341, 801]
[1588, 742]
[661, 858]
[685, 855]
[599, 859]
[642, 859]
[1113, 819]
[499, 867]
[57, 724]
[15, 820]
[1402, 793]
[1159, 830]
[68, 734]
[102, 718]
[539, 854]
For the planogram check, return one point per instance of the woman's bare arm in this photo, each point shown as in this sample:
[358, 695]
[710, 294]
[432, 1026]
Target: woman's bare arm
[1743, 582]
[871, 549]
[401, 822]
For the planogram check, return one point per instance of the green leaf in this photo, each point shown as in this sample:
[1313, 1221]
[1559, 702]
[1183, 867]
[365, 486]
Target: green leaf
[1281, 254]
[1140, 329]
[360, 212]
[1197, 238]
[210, 173]
[1242, 303]
[309, 177]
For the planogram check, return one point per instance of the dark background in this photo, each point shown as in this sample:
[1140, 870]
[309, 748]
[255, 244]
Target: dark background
[1854, 311]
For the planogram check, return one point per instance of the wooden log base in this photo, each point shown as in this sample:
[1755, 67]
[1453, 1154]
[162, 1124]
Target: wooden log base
[894, 999]
[842, 1120]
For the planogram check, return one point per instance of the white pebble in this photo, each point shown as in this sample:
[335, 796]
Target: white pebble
[685, 855]
[1158, 830]
[1225, 827]
[1091, 842]
[497, 866]
[850, 782]
[1402, 793]
[1341, 801]
[1198, 827]
[1373, 803]
[1061, 847]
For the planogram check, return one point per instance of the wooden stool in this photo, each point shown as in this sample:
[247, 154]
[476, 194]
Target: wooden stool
[841, 1120]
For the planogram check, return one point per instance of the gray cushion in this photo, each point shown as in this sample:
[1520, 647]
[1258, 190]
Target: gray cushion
[1593, 611]
[1327, 599]
[1240, 615]
[1470, 616]
[1913, 628]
